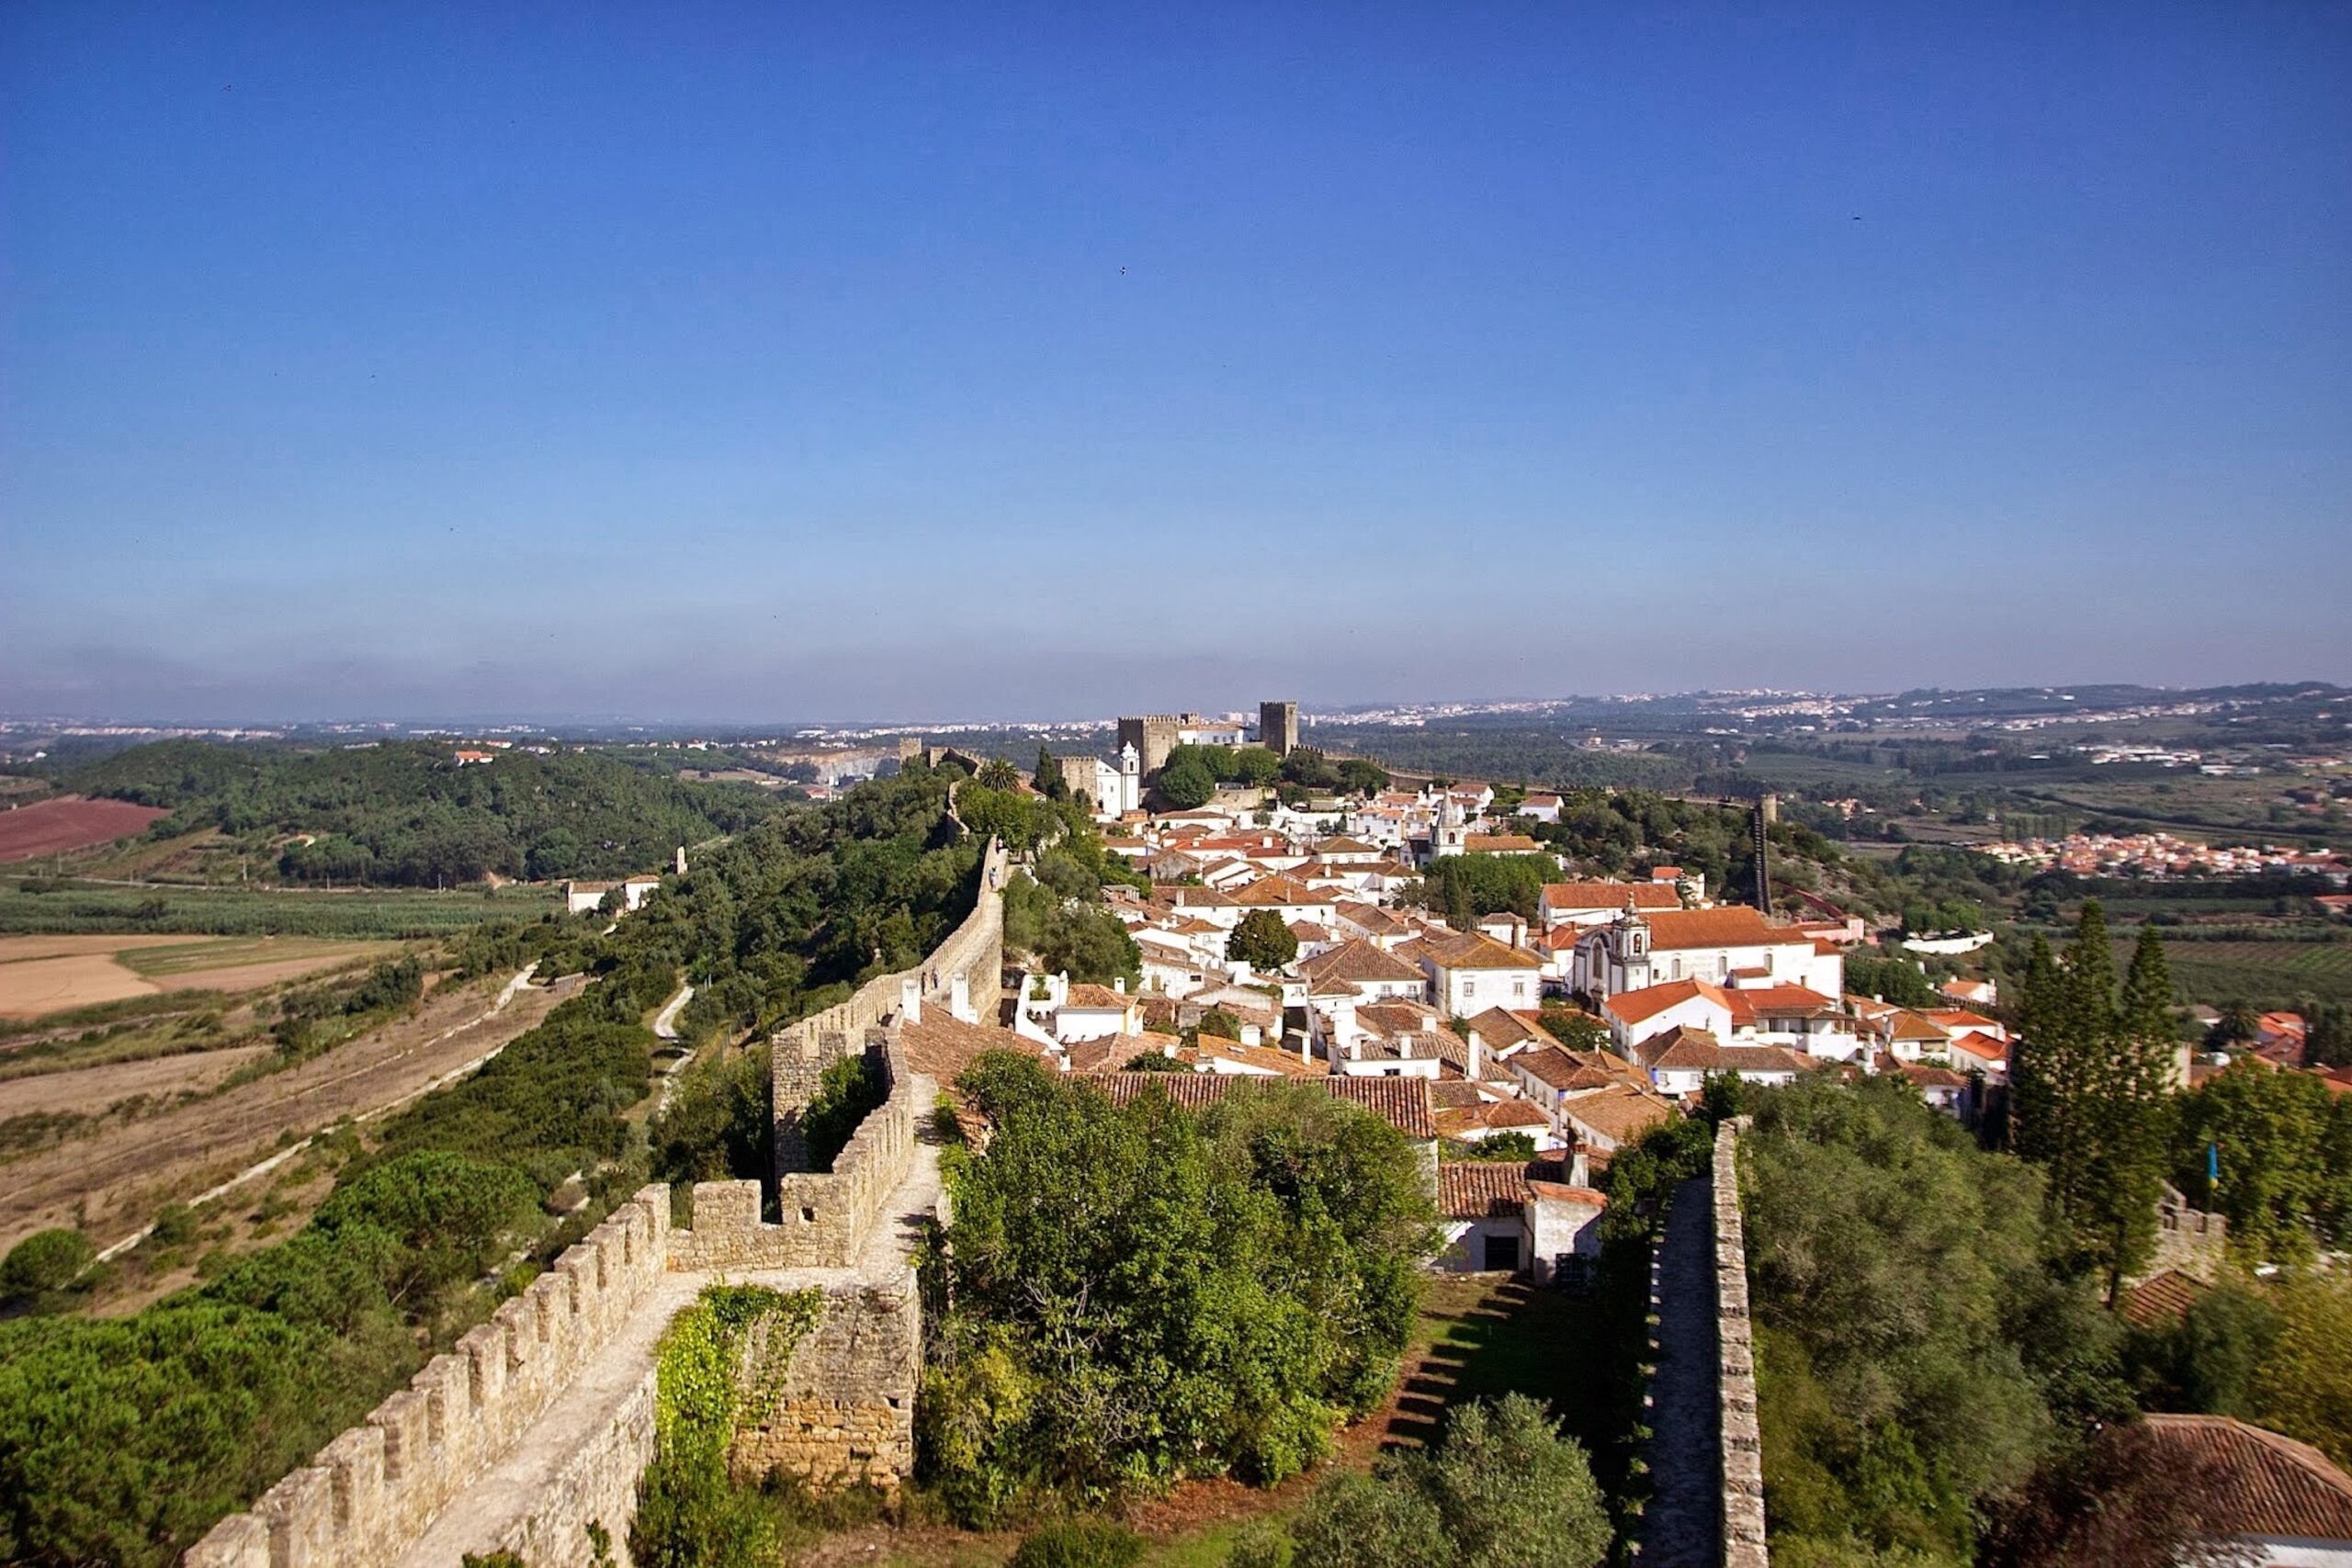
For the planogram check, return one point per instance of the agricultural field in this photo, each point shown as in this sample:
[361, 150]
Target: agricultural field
[384, 913]
[2266, 973]
[52, 974]
[56, 827]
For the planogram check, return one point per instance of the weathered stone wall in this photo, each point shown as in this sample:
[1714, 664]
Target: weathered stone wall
[843, 1409]
[377, 1486]
[824, 1218]
[974, 952]
[1743, 1445]
[373, 1491]
[2195, 1242]
[597, 1482]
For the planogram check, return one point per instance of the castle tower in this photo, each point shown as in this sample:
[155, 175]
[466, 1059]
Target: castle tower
[1278, 727]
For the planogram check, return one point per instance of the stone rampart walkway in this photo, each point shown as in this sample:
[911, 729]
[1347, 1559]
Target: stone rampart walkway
[613, 1389]
[1682, 1525]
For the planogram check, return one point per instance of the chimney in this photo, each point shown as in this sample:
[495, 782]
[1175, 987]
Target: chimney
[1477, 1056]
[1120, 985]
[910, 999]
[959, 998]
[1579, 1169]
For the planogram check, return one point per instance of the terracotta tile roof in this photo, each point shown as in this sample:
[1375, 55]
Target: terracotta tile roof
[1621, 1113]
[2278, 1487]
[1566, 1192]
[1734, 925]
[2163, 1298]
[1270, 891]
[943, 1045]
[1469, 950]
[1611, 895]
[1481, 1190]
[1923, 1075]
[1491, 1116]
[1983, 1046]
[1454, 1094]
[1199, 898]
[1547, 1064]
[1500, 844]
[1359, 962]
[1501, 1026]
[1785, 1001]
[1085, 995]
[1402, 1102]
[1640, 1007]
[1372, 918]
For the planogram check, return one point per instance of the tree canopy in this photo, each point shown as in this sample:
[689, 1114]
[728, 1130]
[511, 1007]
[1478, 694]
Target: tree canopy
[1140, 1293]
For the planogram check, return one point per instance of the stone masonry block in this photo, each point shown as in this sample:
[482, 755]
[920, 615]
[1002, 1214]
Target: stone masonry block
[355, 1464]
[407, 1427]
[241, 1541]
[726, 1205]
[301, 1511]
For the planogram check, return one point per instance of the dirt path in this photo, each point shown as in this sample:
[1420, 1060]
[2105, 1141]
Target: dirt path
[1681, 1527]
[120, 1176]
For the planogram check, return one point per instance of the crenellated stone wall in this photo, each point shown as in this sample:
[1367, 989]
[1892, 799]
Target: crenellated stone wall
[376, 1487]
[824, 1218]
[971, 960]
[369, 1494]
[847, 1410]
[1742, 1444]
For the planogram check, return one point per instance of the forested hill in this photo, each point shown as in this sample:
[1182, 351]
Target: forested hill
[405, 813]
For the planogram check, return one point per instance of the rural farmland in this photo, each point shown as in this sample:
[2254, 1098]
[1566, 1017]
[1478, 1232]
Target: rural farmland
[41, 975]
[54, 826]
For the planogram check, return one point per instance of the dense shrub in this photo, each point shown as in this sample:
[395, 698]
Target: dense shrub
[1078, 1543]
[1140, 1293]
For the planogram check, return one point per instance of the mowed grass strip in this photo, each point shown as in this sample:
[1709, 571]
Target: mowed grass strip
[233, 952]
[36, 906]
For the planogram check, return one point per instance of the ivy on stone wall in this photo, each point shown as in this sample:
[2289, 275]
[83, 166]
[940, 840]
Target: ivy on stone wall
[687, 1515]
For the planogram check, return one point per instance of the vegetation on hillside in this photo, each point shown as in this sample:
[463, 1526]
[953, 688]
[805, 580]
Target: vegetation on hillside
[405, 813]
[121, 1440]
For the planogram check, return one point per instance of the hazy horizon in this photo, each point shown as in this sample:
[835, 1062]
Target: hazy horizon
[704, 362]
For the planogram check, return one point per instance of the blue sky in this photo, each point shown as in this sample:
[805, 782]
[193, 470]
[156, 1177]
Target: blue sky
[703, 362]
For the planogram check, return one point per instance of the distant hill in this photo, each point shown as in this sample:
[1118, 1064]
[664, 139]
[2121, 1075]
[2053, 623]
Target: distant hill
[408, 813]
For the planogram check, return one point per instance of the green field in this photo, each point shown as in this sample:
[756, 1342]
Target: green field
[2265, 973]
[233, 911]
[230, 952]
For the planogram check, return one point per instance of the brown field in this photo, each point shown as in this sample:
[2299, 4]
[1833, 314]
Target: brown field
[90, 1089]
[52, 826]
[39, 985]
[119, 1176]
[42, 974]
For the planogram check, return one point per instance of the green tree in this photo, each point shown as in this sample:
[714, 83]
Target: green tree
[1359, 777]
[997, 773]
[2268, 1133]
[1261, 941]
[1505, 1489]
[1048, 780]
[1256, 766]
[1187, 783]
[2305, 1386]
[1574, 1028]
[2091, 1096]
[46, 1261]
